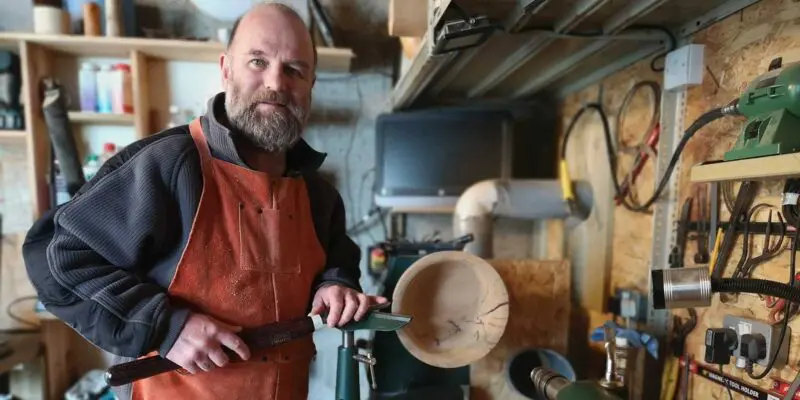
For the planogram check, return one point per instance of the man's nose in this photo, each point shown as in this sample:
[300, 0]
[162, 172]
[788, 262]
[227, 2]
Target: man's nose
[275, 79]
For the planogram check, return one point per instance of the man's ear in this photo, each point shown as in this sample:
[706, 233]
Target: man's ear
[224, 66]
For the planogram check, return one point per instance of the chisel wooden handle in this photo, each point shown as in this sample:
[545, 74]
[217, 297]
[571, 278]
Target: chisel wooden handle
[257, 338]
[125, 373]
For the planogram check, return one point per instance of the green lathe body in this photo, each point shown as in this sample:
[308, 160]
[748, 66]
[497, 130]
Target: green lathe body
[772, 106]
[588, 390]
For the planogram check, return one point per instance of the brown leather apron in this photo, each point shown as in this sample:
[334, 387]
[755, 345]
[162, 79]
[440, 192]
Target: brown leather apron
[250, 260]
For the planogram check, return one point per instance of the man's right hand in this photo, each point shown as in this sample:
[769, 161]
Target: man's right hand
[199, 345]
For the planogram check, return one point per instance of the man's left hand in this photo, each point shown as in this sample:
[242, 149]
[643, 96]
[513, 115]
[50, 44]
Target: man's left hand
[343, 304]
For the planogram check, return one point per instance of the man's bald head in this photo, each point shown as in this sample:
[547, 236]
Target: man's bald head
[268, 73]
[287, 10]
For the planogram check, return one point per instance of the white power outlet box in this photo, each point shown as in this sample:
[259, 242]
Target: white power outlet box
[684, 67]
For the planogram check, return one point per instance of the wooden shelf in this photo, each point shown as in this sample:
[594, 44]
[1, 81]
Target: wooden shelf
[80, 117]
[12, 135]
[330, 59]
[772, 167]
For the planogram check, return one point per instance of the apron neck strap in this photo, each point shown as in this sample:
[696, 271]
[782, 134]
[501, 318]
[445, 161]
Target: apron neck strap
[196, 129]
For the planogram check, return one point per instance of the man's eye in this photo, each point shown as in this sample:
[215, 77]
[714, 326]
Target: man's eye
[258, 62]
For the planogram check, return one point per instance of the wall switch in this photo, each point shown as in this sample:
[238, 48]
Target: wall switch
[770, 333]
[684, 67]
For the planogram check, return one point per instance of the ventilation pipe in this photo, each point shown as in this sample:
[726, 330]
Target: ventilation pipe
[522, 199]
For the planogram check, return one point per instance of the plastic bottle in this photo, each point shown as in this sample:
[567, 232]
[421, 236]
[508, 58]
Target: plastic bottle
[104, 89]
[62, 194]
[88, 87]
[109, 150]
[91, 167]
[121, 89]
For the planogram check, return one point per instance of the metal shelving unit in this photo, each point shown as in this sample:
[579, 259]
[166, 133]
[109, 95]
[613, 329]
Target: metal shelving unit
[545, 46]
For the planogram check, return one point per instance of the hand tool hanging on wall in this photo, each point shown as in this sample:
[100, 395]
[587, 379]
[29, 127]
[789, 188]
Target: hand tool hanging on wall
[677, 255]
[744, 198]
[768, 251]
[702, 234]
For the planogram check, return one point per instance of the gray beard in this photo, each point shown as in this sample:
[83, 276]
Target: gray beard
[277, 131]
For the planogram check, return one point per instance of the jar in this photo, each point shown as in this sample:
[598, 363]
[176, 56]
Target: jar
[122, 89]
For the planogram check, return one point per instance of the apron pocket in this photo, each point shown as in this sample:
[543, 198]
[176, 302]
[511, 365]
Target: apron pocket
[269, 241]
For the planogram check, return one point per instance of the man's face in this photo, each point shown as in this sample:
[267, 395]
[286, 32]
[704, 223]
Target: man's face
[268, 74]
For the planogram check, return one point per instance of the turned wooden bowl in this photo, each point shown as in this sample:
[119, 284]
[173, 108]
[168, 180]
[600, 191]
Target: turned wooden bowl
[459, 308]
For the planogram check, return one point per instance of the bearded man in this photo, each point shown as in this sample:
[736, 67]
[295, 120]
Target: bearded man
[189, 235]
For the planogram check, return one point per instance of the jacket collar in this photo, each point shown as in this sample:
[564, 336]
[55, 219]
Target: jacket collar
[301, 158]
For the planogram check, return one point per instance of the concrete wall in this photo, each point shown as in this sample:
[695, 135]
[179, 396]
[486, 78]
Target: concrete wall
[344, 112]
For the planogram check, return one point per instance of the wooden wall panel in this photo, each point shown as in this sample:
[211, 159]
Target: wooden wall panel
[539, 288]
[737, 50]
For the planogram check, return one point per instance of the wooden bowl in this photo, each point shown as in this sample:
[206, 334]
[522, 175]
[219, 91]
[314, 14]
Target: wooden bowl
[459, 308]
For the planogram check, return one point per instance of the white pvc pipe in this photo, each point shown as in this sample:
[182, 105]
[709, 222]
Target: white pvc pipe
[523, 199]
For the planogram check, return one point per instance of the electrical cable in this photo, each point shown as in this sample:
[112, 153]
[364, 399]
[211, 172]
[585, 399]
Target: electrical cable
[791, 193]
[721, 372]
[770, 288]
[566, 182]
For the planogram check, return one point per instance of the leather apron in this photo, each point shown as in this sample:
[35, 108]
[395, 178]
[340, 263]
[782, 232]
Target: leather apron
[250, 260]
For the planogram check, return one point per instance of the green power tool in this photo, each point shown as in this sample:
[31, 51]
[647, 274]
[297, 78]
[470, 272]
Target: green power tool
[772, 106]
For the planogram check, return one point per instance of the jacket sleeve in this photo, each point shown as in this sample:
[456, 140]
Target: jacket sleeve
[343, 254]
[103, 244]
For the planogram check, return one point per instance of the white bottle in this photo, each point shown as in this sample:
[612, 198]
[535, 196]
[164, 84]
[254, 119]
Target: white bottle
[87, 81]
[105, 89]
[91, 167]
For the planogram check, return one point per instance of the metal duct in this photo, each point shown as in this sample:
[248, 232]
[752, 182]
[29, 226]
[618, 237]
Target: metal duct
[523, 199]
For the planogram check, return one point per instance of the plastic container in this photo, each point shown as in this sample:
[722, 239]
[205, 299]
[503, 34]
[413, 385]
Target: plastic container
[87, 81]
[91, 167]
[121, 89]
[109, 150]
[62, 194]
[104, 89]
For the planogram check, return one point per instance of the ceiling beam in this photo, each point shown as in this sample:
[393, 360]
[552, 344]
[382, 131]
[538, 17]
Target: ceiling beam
[630, 14]
[423, 69]
[616, 23]
[522, 13]
[525, 53]
[463, 60]
[560, 68]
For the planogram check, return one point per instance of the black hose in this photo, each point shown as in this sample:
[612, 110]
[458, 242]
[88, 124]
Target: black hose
[755, 286]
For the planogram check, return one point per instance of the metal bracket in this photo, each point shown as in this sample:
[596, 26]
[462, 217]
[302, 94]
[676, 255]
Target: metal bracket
[665, 218]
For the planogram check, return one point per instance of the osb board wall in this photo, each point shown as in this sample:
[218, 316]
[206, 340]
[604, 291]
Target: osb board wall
[737, 50]
[540, 288]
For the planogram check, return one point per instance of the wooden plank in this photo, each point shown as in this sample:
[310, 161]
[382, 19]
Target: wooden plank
[36, 64]
[330, 59]
[772, 167]
[141, 94]
[25, 347]
[82, 117]
[59, 369]
[12, 136]
[408, 17]
[535, 287]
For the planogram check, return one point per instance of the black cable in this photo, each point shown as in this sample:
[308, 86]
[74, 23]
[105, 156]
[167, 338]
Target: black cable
[699, 123]
[721, 372]
[791, 193]
[786, 315]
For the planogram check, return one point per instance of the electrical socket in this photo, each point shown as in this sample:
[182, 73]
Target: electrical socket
[771, 333]
[684, 67]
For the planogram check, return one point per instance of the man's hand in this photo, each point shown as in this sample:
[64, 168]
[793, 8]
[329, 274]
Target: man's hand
[199, 345]
[343, 304]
